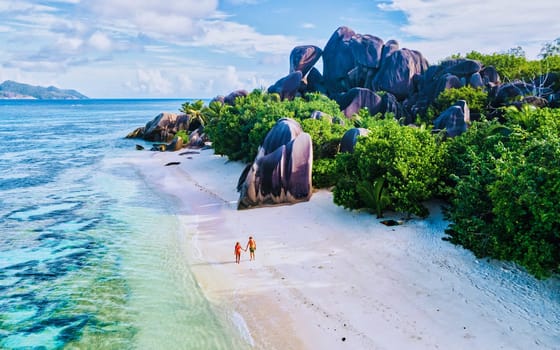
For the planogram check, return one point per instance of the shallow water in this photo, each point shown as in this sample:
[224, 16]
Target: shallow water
[90, 257]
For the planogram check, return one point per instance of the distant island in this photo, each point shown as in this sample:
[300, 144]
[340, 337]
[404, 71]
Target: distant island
[14, 90]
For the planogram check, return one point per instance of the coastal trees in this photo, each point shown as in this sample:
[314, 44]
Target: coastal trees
[515, 66]
[241, 127]
[506, 189]
[238, 130]
[550, 49]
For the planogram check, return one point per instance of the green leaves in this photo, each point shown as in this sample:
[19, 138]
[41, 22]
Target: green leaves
[504, 203]
[196, 112]
[410, 162]
[374, 195]
[477, 99]
[237, 131]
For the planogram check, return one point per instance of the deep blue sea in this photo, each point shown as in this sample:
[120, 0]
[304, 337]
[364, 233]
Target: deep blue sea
[89, 257]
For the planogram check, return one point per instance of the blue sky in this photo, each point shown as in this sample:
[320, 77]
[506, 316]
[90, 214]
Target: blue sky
[204, 48]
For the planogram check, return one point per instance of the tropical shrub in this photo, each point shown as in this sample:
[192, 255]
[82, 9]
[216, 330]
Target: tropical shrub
[239, 130]
[195, 111]
[407, 162]
[507, 186]
[476, 98]
[183, 135]
[303, 107]
[324, 172]
[326, 136]
[514, 66]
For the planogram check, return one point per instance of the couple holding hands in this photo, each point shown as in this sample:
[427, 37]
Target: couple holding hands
[251, 245]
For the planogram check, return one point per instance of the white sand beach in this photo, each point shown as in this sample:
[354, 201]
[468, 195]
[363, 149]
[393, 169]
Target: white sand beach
[329, 278]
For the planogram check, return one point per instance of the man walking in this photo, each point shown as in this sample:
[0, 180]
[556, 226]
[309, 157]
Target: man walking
[252, 246]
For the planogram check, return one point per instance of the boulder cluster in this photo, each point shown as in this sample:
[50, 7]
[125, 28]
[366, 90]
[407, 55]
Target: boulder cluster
[163, 131]
[363, 71]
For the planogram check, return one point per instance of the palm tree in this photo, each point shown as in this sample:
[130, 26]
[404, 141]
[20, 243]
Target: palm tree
[195, 111]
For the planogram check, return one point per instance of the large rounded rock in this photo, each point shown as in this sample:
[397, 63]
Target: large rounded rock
[137, 133]
[284, 131]
[176, 144]
[506, 94]
[315, 81]
[476, 81]
[389, 104]
[281, 171]
[397, 72]
[303, 58]
[288, 86]
[462, 67]
[338, 60]
[164, 127]
[357, 98]
[454, 120]
[445, 82]
[367, 50]
[197, 138]
[490, 75]
[350, 137]
[230, 98]
[388, 48]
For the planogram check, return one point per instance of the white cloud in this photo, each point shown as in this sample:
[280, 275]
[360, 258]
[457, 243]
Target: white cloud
[308, 25]
[100, 41]
[68, 45]
[22, 6]
[242, 39]
[37, 65]
[440, 28]
[153, 82]
[166, 20]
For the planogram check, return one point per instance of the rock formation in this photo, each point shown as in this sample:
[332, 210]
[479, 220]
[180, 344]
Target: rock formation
[303, 58]
[350, 138]
[288, 86]
[454, 119]
[281, 171]
[358, 69]
[162, 128]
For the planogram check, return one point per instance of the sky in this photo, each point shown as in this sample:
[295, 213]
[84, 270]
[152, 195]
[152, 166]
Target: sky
[205, 48]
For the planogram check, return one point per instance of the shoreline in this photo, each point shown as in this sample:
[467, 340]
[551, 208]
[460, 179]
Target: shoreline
[329, 278]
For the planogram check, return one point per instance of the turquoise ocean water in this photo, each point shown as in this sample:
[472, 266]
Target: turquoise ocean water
[89, 257]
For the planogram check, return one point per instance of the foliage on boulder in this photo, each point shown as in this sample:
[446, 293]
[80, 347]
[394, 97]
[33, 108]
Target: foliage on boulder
[241, 128]
[476, 98]
[238, 130]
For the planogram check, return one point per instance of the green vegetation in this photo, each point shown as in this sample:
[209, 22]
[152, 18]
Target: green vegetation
[237, 131]
[477, 100]
[507, 187]
[183, 135]
[393, 167]
[514, 66]
[195, 111]
[240, 129]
